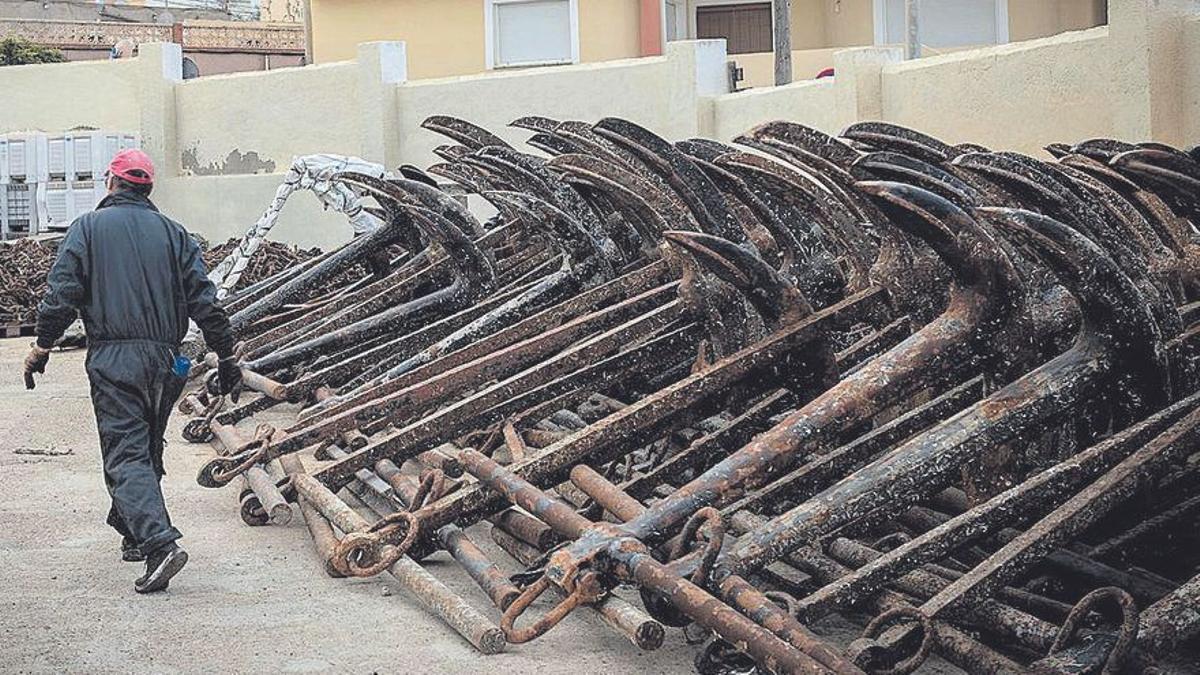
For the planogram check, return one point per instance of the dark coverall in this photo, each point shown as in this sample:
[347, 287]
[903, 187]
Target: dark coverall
[135, 276]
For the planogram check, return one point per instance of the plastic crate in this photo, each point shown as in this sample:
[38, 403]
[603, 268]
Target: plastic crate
[61, 202]
[58, 148]
[82, 155]
[56, 205]
[46, 181]
[115, 142]
[18, 217]
[103, 145]
[86, 198]
[19, 155]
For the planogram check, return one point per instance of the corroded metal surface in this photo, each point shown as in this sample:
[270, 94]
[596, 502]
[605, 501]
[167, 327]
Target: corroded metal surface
[943, 392]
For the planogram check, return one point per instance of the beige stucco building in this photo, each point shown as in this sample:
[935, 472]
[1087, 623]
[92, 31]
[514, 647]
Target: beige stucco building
[460, 37]
[820, 27]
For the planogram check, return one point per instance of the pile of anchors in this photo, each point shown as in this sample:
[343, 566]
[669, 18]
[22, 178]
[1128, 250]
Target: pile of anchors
[946, 393]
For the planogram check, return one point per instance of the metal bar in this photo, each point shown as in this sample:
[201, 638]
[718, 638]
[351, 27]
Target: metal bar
[616, 612]
[433, 594]
[270, 499]
[1004, 508]
[614, 500]
[324, 539]
[953, 644]
[1084, 508]
[1172, 620]
[465, 552]
[605, 440]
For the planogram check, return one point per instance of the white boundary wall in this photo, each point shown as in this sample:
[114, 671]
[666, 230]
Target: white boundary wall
[222, 143]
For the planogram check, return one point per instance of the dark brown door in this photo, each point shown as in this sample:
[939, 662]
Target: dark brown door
[746, 28]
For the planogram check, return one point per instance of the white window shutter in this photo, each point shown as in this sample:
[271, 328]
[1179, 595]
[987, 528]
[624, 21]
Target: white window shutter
[535, 31]
[949, 23]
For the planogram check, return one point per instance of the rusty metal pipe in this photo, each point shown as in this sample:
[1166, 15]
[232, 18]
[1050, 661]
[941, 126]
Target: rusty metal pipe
[522, 552]
[503, 354]
[551, 511]
[441, 426]
[523, 527]
[469, 285]
[734, 590]
[436, 459]
[617, 613]
[772, 652]
[270, 499]
[810, 477]
[1172, 620]
[703, 451]
[954, 645]
[324, 539]
[614, 500]
[764, 646]
[923, 465]
[351, 439]
[254, 381]
[999, 619]
[433, 594]
[1082, 509]
[343, 310]
[1008, 506]
[342, 372]
[465, 552]
[600, 443]
[381, 492]
[1083, 568]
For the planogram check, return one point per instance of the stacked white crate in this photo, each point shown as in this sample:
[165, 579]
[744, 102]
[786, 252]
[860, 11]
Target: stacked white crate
[48, 180]
[19, 179]
[74, 168]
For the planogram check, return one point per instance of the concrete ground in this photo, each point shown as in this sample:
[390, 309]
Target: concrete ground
[250, 599]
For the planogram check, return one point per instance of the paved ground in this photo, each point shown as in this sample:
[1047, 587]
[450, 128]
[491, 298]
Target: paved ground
[250, 600]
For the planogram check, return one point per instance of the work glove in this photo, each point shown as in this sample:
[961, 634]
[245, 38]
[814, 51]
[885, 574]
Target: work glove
[227, 379]
[35, 362]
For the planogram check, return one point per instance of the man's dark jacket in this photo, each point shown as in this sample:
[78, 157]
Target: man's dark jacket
[134, 274]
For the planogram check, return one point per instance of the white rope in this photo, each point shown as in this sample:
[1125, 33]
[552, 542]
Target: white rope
[310, 172]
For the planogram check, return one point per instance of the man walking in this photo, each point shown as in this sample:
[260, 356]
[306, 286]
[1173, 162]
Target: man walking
[136, 277]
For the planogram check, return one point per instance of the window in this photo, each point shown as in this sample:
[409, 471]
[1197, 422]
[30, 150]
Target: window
[746, 27]
[531, 32]
[676, 19]
[945, 23]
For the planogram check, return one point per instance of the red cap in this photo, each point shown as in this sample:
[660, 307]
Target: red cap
[133, 165]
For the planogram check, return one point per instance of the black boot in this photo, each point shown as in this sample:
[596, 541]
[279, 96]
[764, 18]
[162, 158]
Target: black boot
[130, 552]
[161, 565]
